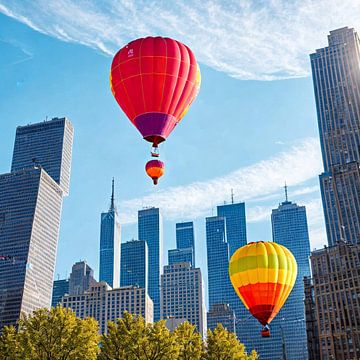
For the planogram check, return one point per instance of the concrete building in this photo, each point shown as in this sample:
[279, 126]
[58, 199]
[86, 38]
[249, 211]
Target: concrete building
[110, 245]
[60, 288]
[150, 229]
[30, 210]
[183, 295]
[336, 293]
[336, 77]
[221, 314]
[106, 304]
[81, 278]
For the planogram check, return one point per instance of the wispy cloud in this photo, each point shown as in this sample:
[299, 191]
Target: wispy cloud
[297, 165]
[262, 40]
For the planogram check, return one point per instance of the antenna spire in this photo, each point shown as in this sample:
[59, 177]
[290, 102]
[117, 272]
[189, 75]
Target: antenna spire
[112, 206]
[232, 196]
[286, 192]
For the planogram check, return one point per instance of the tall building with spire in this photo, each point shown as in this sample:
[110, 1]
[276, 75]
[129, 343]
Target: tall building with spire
[289, 228]
[150, 229]
[336, 77]
[110, 245]
[30, 210]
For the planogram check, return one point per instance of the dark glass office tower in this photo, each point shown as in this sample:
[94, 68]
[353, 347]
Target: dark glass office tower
[150, 230]
[336, 77]
[60, 288]
[30, 210]
[110, 245]
[134, 264]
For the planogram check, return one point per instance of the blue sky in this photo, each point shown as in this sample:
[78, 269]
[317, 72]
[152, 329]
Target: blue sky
[252, 127]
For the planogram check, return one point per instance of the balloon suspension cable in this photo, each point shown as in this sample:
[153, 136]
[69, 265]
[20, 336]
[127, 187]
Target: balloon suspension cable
[155, 151]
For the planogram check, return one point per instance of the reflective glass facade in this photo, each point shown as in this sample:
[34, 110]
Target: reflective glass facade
[181, 255]
[134, 264]
[60, 288]
[47, 144]
[185, 238]
[221, 314]
[150, 229]
[336, 77]
[289, 228]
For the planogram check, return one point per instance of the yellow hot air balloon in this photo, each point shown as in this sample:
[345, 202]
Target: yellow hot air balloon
[263, 275]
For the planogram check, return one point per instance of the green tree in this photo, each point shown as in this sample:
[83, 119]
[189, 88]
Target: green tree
[57, 334]
[190, 342]
[131, 338]
[224, 345]
[9, 344]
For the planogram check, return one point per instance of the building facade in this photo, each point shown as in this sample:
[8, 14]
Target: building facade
[30, 211]
[185, 240]
[181, 255]
[47, 144]
[183, 295]
[336, 288]
[150, 229]
[106, 304]
[221, 314]
[134, 264]
[225, 233]
[110, 245]
[312, 330]
[60, 288]
[336, 77]
[81, 278]
[290, 229]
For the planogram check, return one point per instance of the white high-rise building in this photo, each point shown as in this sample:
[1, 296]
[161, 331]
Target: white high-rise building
[183, 295]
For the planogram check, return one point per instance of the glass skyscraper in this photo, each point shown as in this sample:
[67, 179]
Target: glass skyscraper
[81, 278]
[110, 245]
[289, 228]
[150, 229]
[225, 233]
[185, 240]
[336, 77]
[134, 264]
[60, 288]
[181, 255]
[30, 210]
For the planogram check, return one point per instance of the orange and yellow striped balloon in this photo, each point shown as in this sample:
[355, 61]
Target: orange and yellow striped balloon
[263, 275]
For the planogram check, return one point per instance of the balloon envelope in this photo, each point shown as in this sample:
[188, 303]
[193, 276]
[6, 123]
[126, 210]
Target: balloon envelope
[263, 275]
[155, 80]
[155, 169]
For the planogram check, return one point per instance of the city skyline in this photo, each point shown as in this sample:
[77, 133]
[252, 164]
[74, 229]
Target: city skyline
[286, 137]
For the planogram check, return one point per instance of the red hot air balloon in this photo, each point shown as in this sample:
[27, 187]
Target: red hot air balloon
[155, 80]
[155, 169]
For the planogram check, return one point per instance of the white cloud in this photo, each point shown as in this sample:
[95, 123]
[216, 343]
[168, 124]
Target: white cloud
[262, 40]
[297, 165]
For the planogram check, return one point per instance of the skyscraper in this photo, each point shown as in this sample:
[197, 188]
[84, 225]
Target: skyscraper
[336, 299]
[30, 210]
[81, 278]
[183, 295]
[185, 240]
[47, 144]
[110, 245]
[150, 229]
[181, 255]
[336, 77]
[134, 264]
[289, 228]
[225, 233]
[234, 214]
[60, 288]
